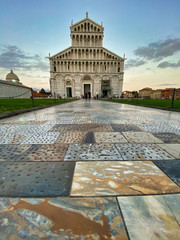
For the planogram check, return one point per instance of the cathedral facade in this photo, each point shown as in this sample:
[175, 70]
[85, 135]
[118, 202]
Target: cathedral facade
[86, 66]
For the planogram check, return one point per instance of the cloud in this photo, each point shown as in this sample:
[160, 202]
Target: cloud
[166, 84]
[167, 64]
[134, 63]
[158, 50]
[12, 57]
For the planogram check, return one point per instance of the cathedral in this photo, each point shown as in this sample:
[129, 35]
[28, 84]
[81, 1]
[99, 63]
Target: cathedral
[86, 67]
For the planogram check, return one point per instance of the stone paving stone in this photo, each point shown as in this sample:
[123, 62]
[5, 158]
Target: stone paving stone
[109, 137]
[120, 178]
[171, 169]
[43, 138]
[125, 128]
[11, 138]
[151, 217]
[40, 179]
[173, 149]
[71, 137]
[158, 127]
[12, 152]
[141, 137]
[80, 152]
[44, 153]
[82, 127]
[168, 137]
[132, 151]
[24, 122]
[61, 218]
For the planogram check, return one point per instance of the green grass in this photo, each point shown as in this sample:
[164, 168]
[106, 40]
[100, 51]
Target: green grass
[159, 103]
[10, 105]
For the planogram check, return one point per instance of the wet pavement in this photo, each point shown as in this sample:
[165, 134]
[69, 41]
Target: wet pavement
[90, 170]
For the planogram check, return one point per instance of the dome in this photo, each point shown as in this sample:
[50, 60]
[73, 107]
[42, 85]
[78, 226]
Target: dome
[12, 77]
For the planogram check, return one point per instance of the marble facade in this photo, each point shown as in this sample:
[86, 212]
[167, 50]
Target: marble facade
[86, 66]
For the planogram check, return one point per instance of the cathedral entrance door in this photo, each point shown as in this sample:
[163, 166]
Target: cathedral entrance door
[87, 88]
[69, 92]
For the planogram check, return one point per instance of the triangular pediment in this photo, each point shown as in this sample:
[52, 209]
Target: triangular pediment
[59, 55]
[112, 54]
[88, 23]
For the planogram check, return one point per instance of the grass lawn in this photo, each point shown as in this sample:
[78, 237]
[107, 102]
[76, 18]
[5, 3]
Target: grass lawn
[10, 105]
[161, 103]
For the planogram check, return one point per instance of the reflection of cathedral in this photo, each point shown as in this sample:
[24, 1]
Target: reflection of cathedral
[86, 66]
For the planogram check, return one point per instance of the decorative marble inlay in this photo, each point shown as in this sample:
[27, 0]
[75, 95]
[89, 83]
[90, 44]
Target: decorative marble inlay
[82, 127]
[61, 218]
[120, 178]
[125, 128]
[152, 217]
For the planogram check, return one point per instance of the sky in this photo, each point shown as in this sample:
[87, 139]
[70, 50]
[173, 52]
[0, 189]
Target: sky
[146, 31]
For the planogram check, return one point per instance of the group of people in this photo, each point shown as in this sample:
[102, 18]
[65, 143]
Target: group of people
[88, 95]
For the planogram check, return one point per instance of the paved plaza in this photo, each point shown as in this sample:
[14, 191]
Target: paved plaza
[90, 170]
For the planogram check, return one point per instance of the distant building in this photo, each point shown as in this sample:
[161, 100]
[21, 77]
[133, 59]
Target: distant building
[39, 94]
[156, 94]
[12, 88]
[130, 94]
[86, 66]
[145, 93]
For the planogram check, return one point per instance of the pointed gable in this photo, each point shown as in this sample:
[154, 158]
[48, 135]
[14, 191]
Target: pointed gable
[86, 25]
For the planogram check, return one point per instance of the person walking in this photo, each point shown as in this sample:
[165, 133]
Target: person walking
[89, 95]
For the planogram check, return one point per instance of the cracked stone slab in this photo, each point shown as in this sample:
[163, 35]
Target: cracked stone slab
[44, 153]
[35, 179]
[141, 137]
[71, 137]
[79, 152]
[173, 149]
[120, 178]
[61, 218]
[82, 127]
[43, 138]
[171, 169]
[168, 137]
[132, 151]
[109, 137]
[125, 128]
[12, 152]
[152, 217]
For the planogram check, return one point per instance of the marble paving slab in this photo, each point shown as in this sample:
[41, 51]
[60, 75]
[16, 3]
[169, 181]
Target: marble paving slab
[120, 178]
[44, 153]
[152, 217]
[80, 152]
[12, 152]
[134, 151]
[35, 179]
[173, 149]
[125, 128]
[43, 138]
[82, 127]
[171, 169]
[61, 218]
[141, 137]
[109, 137]
[168, 137]
[71, 137]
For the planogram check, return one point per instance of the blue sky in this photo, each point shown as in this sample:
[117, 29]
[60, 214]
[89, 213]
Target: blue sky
[147, 31]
